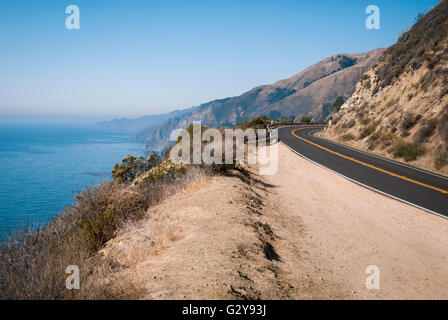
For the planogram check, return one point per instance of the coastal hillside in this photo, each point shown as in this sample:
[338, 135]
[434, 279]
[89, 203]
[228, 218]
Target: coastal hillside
[308, 93]
[400, 107]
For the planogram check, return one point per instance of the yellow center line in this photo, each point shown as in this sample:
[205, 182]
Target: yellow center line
[366, 164]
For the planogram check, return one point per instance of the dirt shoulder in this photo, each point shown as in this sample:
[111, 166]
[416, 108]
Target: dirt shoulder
[217, 245]
[303, 233]
[348, 227]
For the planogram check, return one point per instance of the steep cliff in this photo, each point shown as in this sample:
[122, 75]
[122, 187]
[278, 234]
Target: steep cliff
[400, 107]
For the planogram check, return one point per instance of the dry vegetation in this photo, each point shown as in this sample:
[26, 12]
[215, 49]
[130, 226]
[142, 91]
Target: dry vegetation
[245, 237]
[32, 263]
[400, 107]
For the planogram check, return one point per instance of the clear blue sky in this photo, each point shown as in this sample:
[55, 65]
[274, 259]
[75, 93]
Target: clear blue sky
[138, 57]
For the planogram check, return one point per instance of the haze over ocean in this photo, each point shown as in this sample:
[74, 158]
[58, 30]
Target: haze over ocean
[42, 163]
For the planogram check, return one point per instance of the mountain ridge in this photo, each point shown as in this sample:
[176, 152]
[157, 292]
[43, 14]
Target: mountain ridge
[140, 123]
[303, 94]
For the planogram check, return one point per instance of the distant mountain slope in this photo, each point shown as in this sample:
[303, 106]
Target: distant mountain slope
[304, 94]
[323, 82]
[400, 107]
[141, 123]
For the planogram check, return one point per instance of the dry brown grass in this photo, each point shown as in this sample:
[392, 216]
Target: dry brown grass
[33, 262]
[426, 130]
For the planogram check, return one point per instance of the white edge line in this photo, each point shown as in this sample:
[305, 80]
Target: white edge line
[365, 186]
[379, 157]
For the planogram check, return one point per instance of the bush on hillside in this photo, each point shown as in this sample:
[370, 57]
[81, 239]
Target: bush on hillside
[367, 131]
[329, 108]
[130, 167]
[442, 126]
[408, 121]
[259, 122]
[441, 156]
[306, 120]
[425, 131]
[347, 137]
[164, 169]
[408, 151]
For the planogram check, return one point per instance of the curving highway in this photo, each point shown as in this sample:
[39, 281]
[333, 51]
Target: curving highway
[412, 185]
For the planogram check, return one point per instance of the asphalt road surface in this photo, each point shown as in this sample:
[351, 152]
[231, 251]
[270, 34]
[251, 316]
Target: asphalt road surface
[418, 187]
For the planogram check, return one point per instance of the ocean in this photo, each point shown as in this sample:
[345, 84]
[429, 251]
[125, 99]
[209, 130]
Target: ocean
[42, 164]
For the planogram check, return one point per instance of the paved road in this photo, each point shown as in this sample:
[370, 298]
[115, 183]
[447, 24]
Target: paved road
[415, 186]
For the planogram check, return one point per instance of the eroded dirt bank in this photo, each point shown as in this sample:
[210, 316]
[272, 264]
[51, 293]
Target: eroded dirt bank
[304, 233]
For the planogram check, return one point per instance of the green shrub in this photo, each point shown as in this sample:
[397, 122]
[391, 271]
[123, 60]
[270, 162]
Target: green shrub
[306, 120]
[130, 167]
[259, 122]
[242, 124]
[103, 209]
[329, 108]
[99, 228]
[285, 121]
[408, 151]
[347, 137]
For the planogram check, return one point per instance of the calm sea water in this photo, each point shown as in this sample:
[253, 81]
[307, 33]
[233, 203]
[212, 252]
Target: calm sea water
[42, 164]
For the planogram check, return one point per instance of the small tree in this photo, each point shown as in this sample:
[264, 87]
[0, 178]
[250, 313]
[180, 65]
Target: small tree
[130, 167]
[259, 122]
[152, 160]
[306, 120]
[243, 124]
[338, 103]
